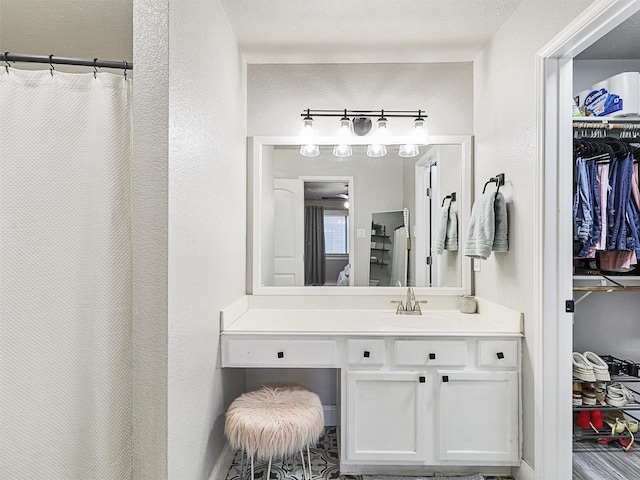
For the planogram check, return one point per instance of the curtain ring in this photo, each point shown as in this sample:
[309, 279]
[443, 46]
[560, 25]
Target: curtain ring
[95, 68]
[125, 69]
[52, 68]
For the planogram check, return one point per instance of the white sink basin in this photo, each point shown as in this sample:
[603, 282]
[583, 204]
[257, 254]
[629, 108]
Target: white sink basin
[426, 322]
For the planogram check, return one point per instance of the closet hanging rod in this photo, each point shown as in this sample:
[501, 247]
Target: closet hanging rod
[52, 59]
[605, 125]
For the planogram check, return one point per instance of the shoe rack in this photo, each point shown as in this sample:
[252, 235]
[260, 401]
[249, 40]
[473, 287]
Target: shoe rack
[603, 422]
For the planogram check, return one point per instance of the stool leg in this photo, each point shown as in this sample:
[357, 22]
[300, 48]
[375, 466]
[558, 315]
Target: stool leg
[252, 476]
[269, 470]
[309, 463]
[304, 470]
[242, 464]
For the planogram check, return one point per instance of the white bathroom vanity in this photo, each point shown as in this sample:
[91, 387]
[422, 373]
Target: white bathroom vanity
[417, 393]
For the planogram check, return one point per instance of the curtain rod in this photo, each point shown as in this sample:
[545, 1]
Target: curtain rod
[52, 59]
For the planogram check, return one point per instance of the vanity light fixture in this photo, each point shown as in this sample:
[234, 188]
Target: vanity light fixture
[360, 125]
[307, 135]
[343, 149]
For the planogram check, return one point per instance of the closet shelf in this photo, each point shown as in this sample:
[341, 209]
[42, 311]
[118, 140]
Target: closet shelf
[606, 283]
[610, 288]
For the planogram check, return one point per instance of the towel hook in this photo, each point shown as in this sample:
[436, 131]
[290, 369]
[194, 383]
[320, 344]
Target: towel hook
[7, 65]
[498, 180]
[95, 67]
[52, 68]
[125, 70]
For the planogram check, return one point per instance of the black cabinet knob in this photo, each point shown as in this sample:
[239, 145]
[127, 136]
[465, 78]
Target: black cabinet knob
[422, 379]
[367, 354]
[500, 355]
[432, 356]
[445, 378]
[280, 354]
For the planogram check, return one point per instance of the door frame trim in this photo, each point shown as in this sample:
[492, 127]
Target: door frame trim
[553, 254]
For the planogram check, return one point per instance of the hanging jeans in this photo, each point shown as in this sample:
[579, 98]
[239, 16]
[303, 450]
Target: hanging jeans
[582, 210]
[594, 178]
[619, 236]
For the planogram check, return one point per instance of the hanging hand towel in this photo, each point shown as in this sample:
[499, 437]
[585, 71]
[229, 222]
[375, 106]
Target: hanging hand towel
[482, 228]
[451, 240]
[501, 237]
[441, 234]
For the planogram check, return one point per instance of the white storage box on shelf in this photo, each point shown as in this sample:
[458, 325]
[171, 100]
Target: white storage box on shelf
[617, 96]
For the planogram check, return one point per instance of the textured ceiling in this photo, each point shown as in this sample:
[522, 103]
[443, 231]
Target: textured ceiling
[363, 31]
[621, 43]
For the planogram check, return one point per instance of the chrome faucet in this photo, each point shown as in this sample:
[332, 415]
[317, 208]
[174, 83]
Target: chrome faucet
[411, 306]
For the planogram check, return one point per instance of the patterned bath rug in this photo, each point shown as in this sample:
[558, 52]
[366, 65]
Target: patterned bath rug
[477, 476]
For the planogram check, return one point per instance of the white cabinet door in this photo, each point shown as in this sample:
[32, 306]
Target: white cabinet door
[386, 416]
[478, 417]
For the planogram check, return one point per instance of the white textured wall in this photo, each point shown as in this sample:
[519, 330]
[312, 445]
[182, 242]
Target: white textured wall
[150, 237]
[277, 94]
[207, 212]
[505, 141]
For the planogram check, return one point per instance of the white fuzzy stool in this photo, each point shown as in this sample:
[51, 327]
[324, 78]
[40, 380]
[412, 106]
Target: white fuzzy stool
[275, 422]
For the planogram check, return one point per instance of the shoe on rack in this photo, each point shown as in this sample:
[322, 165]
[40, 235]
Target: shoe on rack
[600, 368]
[583, 419]
[618, 395]
[588, 396]
[582, 368]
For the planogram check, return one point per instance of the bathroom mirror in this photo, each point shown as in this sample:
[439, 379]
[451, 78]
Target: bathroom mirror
[313, 222]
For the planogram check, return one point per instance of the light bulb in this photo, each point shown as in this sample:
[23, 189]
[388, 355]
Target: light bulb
[306, 138]
[409, 150]
[419, 135]
[381, 136]
[307, 132]
[344, 134]
[376, 150]
[309, 150]
[342, 150]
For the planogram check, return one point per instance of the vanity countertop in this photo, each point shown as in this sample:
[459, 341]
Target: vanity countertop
[373, 322]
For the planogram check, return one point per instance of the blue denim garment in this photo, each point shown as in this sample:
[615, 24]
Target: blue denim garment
[583, 219]
[594, 180]
[633, 214]
[618, 235]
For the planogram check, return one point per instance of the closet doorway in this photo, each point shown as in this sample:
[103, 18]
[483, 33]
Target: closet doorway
[554, 296]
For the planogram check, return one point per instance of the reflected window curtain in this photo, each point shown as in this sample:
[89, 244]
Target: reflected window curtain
[314, 261]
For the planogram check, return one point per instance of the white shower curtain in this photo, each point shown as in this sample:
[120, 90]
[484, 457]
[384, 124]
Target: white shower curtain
[65, 275]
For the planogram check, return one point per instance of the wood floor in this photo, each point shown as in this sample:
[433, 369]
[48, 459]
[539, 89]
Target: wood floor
[592, 461]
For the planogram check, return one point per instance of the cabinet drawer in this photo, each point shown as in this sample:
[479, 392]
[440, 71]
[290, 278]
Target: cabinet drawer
[428, 353]
[365, 352]
[498, 353]
[280, 353]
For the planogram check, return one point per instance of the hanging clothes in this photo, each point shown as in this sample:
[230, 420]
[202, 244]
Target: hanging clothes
[606, 206]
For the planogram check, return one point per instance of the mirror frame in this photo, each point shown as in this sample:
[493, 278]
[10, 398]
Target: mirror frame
[255, 146]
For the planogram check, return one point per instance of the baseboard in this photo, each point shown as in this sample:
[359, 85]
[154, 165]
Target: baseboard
[524, 472]
[330, 415]
[223, 464]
